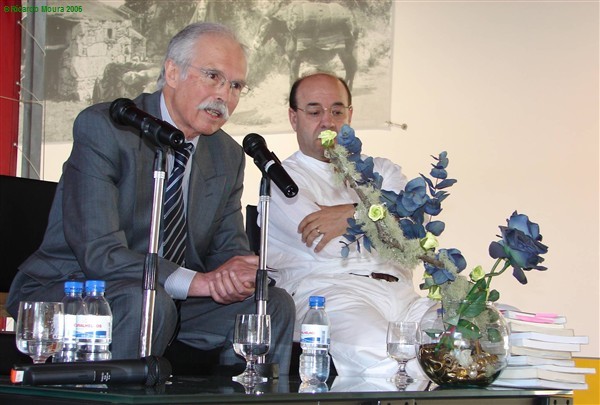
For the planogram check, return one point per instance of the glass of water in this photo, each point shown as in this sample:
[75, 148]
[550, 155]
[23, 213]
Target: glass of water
[251, 339]
[402, 346]
[40, 329]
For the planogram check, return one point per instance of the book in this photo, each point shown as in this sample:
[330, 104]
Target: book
[540, 317]
[567, 369]
[541, 353]
[537, 361]
[539, 383]
[538, 344]
[7, 324]
[545, 337]
[541, 373]
[547, 328]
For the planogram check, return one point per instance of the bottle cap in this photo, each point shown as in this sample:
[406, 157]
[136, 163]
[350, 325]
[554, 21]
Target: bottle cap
[73, 286]
[316, 301]
[94, 285]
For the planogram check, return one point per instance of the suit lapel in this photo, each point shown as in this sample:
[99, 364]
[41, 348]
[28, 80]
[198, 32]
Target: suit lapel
[204, 195]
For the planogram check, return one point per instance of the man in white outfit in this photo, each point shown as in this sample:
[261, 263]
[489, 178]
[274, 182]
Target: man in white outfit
[363, 292]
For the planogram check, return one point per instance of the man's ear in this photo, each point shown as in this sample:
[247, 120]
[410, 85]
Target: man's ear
[172, 73]
[351, 110]
[293, 116]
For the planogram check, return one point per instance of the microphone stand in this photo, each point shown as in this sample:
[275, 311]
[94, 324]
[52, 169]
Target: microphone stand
[151, 261]
[261, 295]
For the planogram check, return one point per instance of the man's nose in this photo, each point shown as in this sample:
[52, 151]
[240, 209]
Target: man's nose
[327, 120]
[224, 91]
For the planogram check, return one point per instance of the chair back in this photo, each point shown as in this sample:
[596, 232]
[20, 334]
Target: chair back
[24, 208]
[252, 228]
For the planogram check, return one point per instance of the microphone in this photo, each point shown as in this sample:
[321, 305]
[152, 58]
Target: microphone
[124, 111]
[256, 147]
[150, 371]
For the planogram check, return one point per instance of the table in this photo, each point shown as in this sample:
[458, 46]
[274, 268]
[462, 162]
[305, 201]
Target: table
[221, 390]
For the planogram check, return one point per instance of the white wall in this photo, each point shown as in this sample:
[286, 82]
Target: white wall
[510, 90]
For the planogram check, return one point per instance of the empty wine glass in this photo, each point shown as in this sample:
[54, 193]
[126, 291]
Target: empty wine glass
[40, 329]
[251, 339]
[401, 346]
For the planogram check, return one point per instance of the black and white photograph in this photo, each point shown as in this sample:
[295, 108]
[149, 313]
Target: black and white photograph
[115, 48]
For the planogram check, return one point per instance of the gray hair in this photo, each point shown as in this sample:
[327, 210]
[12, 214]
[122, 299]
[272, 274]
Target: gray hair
[181, 46]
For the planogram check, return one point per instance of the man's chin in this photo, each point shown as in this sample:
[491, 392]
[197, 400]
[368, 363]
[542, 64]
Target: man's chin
[208, 130]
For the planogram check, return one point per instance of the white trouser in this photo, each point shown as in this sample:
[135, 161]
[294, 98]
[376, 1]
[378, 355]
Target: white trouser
[359, 309]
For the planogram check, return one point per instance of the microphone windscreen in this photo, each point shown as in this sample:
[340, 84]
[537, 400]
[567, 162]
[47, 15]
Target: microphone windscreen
[159, 370]
[251, 142]
[118, 108]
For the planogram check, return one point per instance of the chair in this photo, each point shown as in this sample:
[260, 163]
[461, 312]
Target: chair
[252, 228]
[24, 208]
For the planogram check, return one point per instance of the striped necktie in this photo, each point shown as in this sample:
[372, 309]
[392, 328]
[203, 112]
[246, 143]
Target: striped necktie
[175, 232]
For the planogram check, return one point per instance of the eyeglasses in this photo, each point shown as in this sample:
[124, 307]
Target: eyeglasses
[214, 78]
[316, 112]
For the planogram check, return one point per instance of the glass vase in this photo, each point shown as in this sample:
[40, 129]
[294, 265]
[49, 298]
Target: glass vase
[461, 351]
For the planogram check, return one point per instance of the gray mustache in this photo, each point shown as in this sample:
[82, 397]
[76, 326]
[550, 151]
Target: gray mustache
[216, 105]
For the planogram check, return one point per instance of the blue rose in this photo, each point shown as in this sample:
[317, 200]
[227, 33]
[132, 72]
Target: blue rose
[520, 245]
[348, 140]
[522, 223]
[456, 258]
[441, 275]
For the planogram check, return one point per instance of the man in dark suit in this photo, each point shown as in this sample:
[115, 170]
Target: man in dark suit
[100, 220]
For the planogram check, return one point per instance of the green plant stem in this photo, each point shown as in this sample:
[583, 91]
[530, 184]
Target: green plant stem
[493, 273]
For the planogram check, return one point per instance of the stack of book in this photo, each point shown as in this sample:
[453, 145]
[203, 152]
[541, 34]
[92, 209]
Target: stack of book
[541, 353]
[7, 324]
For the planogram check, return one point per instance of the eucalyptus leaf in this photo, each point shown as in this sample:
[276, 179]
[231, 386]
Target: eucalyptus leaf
[438, 173]
[494, 335]
[367, 244]
[345, 251]
[433, 333]
[350, 236]
[446, 341]
[446, 183]
[452, 320]
[428, 180]
[468, 329]
[471, 309]
[443, 197]
[436, 227]
[494, 296]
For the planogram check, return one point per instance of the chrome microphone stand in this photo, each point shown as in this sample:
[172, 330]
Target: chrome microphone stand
[151, 261]
[261, 295]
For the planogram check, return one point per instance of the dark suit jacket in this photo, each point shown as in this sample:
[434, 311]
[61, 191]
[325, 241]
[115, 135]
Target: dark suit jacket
[100, 219]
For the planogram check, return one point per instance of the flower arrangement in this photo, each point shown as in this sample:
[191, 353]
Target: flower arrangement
[400, 226]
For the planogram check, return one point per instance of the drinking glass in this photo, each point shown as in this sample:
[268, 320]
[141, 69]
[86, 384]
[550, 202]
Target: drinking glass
[401, 346]
[40, 329]
[251, 339]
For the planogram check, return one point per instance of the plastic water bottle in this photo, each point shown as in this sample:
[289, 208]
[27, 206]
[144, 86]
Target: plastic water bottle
[313, 388]
[72, 304]
[94, 324]
[314, 340]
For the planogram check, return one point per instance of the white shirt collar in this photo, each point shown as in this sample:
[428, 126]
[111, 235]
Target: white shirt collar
[164, 113]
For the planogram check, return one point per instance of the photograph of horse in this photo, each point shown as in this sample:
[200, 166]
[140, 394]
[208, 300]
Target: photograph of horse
[312, 33]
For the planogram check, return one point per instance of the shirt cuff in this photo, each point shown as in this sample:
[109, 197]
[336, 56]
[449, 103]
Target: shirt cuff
[178, 283]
